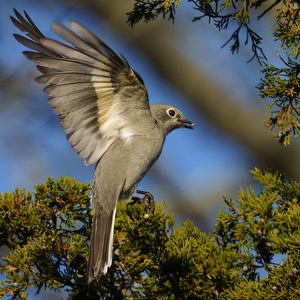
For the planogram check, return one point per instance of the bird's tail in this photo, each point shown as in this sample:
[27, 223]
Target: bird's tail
[100, 256]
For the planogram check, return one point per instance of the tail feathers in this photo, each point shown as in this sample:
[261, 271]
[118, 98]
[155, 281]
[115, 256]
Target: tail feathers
[100, 256]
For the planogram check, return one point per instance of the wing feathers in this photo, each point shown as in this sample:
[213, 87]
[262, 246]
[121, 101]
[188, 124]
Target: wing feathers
[70, 107]
[32, 31]
[65, 50]
[72, 88]
[108, 56]
[91, 88]
[70, 52]
[45, 70]
[33, 45]
[78, 138]
[71, 77]
[32, 55]
[70, 125]
[63, 64]
[68, 89]
[94, 40]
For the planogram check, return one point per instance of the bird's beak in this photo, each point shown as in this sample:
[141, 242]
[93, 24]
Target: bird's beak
[188, 124]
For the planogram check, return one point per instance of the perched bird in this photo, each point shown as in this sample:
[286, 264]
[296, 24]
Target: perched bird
[104, 110]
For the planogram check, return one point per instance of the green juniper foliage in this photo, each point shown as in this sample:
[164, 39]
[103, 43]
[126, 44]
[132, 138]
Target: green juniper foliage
[48, 234]
[281, 84]
[263, 230]
[49, 247]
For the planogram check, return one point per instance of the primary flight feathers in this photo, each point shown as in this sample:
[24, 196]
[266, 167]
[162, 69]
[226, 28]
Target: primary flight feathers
[90, 87]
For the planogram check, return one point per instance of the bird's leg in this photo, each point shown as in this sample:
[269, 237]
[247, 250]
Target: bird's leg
[134, 200]
[147, 197]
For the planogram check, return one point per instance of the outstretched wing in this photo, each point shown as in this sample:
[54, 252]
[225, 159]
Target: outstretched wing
[95, 93]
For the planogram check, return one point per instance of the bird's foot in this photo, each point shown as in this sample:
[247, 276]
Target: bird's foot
[148, 199]
[135, 200]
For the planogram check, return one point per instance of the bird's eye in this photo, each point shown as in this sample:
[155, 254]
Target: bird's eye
[171, 112]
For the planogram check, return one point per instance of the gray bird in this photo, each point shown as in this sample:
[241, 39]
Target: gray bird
[104, 110]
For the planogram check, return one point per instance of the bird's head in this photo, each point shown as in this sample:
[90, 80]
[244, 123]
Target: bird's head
[170, 117]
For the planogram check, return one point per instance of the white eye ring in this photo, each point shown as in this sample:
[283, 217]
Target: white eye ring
[171, 112]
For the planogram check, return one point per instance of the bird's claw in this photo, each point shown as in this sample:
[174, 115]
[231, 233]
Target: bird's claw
[148, 198]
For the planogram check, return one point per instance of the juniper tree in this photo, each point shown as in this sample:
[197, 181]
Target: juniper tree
[48, 233]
